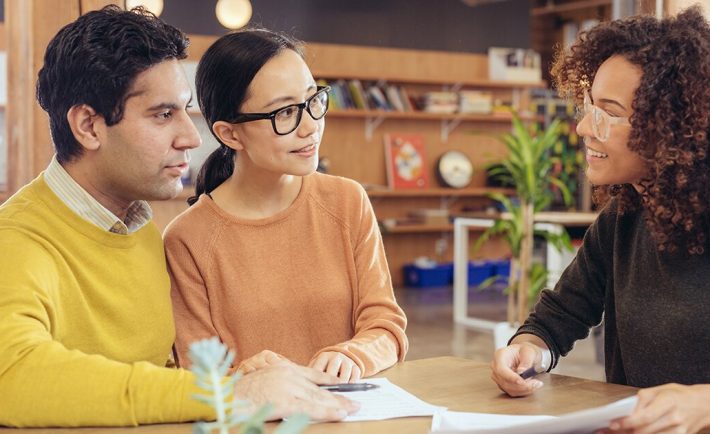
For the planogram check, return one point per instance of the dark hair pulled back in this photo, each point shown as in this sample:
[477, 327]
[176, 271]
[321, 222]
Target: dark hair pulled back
[223, 77]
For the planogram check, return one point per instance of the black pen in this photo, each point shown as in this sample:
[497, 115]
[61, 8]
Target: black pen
[530, 372]
[349, 387]
[538, 367]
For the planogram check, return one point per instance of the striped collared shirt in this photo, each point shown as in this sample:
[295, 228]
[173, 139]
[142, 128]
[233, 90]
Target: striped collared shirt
[88, 208]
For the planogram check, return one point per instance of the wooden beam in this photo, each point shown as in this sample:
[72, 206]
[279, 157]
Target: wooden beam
[567, 7]
[93, 5]
[30, 26]
[3, 37]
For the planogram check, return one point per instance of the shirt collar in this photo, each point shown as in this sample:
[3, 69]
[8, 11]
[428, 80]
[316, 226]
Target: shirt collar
[88, 208]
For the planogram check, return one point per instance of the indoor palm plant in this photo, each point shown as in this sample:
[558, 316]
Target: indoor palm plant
[528, 168]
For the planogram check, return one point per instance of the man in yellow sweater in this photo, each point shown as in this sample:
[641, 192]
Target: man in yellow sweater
[86, 325]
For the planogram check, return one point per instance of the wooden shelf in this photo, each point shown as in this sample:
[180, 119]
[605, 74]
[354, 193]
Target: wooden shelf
[568, 7]
[420, 115]
[572, 218]
[189, 190]
[439, 192]
[482, 84]
[422, 229]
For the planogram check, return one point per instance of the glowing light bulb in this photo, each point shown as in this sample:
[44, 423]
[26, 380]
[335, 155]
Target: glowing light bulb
[233, 14]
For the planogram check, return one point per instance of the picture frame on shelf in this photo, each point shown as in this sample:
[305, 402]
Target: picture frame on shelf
[514, 64]
[406, 161]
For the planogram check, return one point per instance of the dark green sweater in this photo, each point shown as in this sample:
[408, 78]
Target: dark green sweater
[656, 305]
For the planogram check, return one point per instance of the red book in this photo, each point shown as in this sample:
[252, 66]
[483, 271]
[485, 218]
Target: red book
[405, 157]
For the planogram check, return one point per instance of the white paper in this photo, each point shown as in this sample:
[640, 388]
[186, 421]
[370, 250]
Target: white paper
[453, 420]
[387, 402]
[585, 421]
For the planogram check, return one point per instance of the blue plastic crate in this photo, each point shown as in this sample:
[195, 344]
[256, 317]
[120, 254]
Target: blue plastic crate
[419, 277]
[501, 267]
[478, 271]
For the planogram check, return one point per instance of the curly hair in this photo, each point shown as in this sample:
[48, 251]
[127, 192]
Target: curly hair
[670, 122]
[95, 60]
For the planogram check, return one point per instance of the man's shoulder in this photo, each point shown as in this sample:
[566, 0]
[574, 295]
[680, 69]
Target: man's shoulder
[23, 209]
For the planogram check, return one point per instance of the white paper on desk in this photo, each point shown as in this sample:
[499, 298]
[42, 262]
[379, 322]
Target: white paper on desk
[388, 401]
[457, 421]
[581, 422]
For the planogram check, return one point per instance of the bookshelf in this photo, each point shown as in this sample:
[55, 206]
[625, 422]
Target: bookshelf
[552, 7]
[376, 98]
[449, 121]
[438, 192]
[554, 22]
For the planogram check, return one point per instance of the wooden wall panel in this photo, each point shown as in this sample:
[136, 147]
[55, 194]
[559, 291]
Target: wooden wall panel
[344, 60]
[31, 24]
[3, 37]
[675, 6]
[92, 5]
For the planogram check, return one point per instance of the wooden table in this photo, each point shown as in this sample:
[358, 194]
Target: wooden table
[459, 384]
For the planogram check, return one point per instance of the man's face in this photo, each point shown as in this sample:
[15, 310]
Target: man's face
[144, 156]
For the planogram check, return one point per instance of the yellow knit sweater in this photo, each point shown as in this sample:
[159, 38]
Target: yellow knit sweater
[85, 321]
[309, 279]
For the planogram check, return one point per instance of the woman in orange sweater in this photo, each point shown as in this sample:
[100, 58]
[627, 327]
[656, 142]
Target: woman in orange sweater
[275, 259]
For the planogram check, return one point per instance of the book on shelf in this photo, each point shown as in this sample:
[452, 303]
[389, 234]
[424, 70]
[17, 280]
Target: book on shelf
[395, 98]
[406, 161]
[358, 94]
[441, 102]
[475, 101]
[378, 98]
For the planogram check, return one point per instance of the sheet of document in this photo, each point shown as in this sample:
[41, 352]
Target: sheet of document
[584, 421]
[388, 401]
[457, 421]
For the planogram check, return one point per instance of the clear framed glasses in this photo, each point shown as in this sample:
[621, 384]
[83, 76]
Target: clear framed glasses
[601, 120]
[286, 119]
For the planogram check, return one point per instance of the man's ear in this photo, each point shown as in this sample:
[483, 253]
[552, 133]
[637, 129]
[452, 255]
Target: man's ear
[83, 122]
[228, 135]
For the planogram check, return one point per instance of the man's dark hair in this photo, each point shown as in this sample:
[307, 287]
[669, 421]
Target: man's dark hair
[94, 61]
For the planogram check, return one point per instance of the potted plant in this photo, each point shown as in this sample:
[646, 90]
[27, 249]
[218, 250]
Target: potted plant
[528, 168]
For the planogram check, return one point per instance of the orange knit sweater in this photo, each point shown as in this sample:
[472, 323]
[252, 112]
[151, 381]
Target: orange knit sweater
[309, 279]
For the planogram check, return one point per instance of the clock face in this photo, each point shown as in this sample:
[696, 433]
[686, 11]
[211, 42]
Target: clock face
[455, 169]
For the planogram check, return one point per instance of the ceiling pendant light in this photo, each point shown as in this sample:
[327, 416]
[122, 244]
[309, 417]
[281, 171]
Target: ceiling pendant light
[154, 6]
[233, 14]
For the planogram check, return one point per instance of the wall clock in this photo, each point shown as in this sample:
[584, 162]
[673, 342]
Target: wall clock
[454, 169]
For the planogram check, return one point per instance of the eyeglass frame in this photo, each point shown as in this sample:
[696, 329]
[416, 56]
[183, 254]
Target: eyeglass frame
[249, 117]
[589, 107]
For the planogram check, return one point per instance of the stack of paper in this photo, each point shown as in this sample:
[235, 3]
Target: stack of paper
[584, 421]
[388, 402]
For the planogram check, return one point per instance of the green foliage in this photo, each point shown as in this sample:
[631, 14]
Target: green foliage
[210, 363]
[529, 169]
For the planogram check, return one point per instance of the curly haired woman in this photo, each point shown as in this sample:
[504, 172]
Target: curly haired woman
[644, 265]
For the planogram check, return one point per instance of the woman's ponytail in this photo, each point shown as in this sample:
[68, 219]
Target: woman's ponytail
[216, 169]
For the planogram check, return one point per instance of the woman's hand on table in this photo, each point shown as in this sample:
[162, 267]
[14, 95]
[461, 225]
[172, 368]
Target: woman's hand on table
[338, 365]
[670, 408]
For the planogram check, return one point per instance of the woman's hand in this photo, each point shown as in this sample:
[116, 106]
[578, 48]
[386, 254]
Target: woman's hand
[338, 365]
[293, 389]
[509, 362]
[671, 408]
[262, 360]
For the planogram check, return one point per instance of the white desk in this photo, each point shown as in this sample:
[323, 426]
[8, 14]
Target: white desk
[556, 261]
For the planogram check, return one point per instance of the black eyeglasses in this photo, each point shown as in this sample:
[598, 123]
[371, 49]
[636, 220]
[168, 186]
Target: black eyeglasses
[286, 119]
